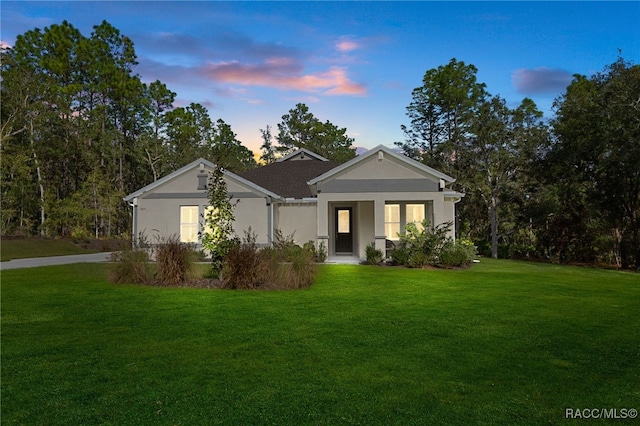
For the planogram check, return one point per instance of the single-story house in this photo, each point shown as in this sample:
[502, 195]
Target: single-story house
[341, 207]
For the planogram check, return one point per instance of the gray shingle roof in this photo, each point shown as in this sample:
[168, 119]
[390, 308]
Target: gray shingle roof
[288, 178]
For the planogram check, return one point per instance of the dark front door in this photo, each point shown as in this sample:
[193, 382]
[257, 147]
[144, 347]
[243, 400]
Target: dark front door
[344, 230]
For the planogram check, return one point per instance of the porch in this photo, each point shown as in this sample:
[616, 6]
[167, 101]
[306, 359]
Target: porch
[346, 227]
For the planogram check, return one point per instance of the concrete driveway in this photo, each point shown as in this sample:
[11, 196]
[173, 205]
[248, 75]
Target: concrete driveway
[55, 260]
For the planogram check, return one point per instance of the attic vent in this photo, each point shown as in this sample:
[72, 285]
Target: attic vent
[380, 155]
[202, 181]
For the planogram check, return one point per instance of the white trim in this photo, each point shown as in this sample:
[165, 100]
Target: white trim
[301, 150]
[197, 163]
[306, 200]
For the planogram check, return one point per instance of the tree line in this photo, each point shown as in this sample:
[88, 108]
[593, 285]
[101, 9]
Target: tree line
[80, 130]
[565, 190]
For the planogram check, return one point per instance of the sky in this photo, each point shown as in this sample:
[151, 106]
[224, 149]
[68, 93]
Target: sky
[352, 63]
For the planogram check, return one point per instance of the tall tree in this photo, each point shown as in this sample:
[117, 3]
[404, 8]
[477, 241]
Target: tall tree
[161, 101]
[441, 112]
[598, 142]
[73, 106]
[228, 152]
[301, 129]
[268, 150]
[189, 134]
[501, 147]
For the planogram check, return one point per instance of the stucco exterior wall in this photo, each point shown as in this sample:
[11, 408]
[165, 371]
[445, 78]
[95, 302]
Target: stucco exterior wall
[299, 218]
[158, 210]
[254, 213]
[366, 226]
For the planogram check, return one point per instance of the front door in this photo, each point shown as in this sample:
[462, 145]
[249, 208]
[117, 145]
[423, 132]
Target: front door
[344, 230]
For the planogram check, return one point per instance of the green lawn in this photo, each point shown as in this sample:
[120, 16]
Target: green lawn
[502, 343]
[36, 247]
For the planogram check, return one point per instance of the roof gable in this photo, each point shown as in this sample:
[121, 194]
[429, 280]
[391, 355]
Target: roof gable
[408, 168]
[203, 166]
[301, 154]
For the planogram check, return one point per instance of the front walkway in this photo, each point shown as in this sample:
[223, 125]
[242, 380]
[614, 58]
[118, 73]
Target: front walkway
[345, 260]
[55, 260]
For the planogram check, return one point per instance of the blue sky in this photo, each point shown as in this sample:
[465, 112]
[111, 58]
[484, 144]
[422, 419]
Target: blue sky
[353, 63]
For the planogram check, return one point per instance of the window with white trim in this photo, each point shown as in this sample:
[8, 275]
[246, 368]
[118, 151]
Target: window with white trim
[189, 224]
[398, 214]
[415, 214]
[392, 221]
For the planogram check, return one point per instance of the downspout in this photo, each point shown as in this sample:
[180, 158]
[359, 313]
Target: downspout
[271, 224]
[134, 225]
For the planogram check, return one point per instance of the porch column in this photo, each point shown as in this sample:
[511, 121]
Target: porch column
[440, 213]
[322, 231]
[378, 225]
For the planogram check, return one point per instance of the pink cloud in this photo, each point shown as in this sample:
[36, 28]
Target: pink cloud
[347, 45]
[285, 74]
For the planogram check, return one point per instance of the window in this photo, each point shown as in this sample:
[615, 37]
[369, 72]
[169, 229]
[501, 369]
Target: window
[206, 226]
[189, 224]
[415, 214]
[344, 221]
[398, 215]
[392, 221]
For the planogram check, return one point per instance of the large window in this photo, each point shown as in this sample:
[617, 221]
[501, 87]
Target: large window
[392, 221]
[415, 214]
[189, 224]
[398, 215]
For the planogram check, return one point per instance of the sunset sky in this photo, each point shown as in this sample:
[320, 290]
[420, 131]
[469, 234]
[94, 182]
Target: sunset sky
[353, 63]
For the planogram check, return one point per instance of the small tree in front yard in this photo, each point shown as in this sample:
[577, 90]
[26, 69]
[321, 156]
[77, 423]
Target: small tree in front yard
[218, 237]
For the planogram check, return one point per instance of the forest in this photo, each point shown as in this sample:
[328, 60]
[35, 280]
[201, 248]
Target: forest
[80, 130]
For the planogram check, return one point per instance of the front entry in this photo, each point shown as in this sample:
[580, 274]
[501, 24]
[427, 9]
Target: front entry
[344, 230]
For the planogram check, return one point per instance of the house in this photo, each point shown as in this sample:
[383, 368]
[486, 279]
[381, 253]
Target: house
[341, 207]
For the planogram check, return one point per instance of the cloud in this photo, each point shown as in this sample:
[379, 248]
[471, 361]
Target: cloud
[237, 61]
[285, 74]
[347, 44]
[4, 45]
[541, 80]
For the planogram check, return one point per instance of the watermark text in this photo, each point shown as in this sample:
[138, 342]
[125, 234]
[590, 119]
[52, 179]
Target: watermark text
[600, 413]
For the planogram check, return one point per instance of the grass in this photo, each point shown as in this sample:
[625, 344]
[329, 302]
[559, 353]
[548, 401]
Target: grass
[502, 343]
[37, 247]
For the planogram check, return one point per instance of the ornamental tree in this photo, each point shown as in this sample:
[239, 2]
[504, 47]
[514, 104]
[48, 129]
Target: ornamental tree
[218, 237]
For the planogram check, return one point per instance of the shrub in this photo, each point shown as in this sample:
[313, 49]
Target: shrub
[418, 259]
[399, 255]
[299, 272]
[322, 253]
[459, 254]
[243, 268]
[318, 254]
[175, 261]
[130, 266]
[420, 247]
[283, 266]
[374, 256]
